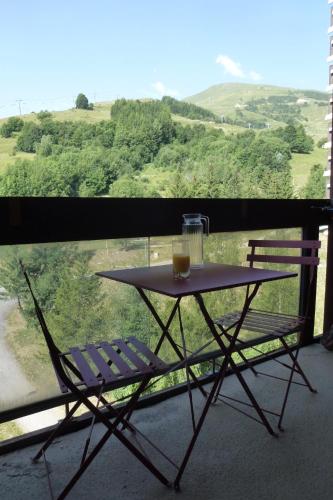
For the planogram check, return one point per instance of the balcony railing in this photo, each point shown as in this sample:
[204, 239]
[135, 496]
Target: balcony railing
[52, 220]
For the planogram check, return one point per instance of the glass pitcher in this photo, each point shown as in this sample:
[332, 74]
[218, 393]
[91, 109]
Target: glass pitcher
[193, 229]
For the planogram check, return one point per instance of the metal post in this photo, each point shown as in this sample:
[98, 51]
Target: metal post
[310, 232]
[328, 309]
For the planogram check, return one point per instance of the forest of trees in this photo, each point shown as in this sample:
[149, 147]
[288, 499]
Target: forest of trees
[189, 110]
[107, 157]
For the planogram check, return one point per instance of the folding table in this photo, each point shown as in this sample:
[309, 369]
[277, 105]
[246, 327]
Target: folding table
[211, 277]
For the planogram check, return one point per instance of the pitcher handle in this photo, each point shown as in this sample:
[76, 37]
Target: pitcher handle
[206, 221]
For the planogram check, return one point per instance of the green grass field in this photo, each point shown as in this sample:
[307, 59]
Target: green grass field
[301, 165]
[316, 126]
[100, 112]
[7, 155]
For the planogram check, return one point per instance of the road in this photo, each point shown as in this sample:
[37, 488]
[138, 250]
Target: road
[15, 387]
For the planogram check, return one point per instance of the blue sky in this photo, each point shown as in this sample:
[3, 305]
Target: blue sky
[52, 50]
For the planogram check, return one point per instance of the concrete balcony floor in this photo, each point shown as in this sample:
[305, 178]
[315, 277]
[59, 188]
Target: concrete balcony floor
[234, 458]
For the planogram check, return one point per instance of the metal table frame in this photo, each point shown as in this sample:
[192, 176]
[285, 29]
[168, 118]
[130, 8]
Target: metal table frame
[211, 277]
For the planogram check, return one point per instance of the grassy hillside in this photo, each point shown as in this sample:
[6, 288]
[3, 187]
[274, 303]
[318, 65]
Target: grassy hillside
[231, 99]
[234, 100]
[100, 112]
[301, 165]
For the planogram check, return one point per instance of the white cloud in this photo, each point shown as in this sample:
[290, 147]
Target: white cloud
[231, 67]
[235, 68]
[256, 77]
[162, 90]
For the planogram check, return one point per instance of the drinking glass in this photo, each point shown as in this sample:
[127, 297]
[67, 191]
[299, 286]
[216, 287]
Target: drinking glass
[181, 259]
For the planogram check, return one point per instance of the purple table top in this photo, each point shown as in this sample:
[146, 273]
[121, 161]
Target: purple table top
[207, 279]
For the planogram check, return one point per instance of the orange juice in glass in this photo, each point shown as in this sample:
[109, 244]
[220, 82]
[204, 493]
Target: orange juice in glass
[180, 259]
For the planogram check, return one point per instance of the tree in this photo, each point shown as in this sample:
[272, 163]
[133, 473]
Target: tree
[189, 110]
[44, 115]
[127, 187]
[179, 186]
[45, 146]
[79, 311]
[315, 186]
[13, 124]
[29, 138]
[12, 280]
[130, 187]
[82, 102]
[16, 179]
[321, 142]
[296, 137]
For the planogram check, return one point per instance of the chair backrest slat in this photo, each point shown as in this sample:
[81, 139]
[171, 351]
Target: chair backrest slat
[283, 259]
[309, 244]
[311, 259]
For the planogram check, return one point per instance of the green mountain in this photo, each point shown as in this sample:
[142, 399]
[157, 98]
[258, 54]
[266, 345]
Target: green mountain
[261, 106]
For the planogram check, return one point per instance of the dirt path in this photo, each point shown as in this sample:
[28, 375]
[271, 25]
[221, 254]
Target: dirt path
[15, 387]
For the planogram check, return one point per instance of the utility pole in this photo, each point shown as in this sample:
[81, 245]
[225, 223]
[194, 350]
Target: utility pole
[19, 105]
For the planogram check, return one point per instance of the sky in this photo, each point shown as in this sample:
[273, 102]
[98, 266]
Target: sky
[51, 50]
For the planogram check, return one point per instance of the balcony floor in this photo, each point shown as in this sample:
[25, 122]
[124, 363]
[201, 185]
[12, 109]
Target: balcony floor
[234, 458]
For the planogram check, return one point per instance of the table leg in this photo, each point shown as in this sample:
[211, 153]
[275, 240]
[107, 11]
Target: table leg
[227, 352]
[166, 334]
[189, 391]
[200, 423]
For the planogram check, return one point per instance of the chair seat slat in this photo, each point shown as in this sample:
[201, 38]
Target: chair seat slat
[263, 318]
[124, 369]
[132, 356]
[101, 364]
[275, 314]
[265, 323]
[87, 374]
[156, 362]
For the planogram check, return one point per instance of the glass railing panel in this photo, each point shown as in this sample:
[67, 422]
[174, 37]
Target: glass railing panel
[80, 307]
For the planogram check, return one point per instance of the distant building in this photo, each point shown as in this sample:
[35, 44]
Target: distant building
[240, 106]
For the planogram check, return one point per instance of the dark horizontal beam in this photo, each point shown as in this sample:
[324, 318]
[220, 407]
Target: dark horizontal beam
[42, 220]
[157, 397]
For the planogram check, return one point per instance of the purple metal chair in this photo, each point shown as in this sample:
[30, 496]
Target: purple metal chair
[272, 325]
[90, 371]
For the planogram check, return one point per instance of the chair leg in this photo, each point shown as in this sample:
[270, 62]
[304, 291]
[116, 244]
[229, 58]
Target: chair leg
[56, 431]
[111, 429]
[242, 355]
[292, 371]
[297, 365]
[247, 363]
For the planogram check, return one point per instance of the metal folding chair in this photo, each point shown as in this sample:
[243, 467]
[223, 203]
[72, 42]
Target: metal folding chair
[272, 325]
[90, 371]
